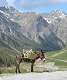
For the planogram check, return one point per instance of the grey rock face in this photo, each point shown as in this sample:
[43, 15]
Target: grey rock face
[10, 35]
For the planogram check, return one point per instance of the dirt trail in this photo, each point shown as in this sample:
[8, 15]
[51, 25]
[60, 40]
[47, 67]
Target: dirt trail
[58, 53]
[59, 75]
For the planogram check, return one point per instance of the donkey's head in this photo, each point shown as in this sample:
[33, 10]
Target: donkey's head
[40, 55]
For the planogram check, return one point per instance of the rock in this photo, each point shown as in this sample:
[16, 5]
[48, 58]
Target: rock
[39, 66]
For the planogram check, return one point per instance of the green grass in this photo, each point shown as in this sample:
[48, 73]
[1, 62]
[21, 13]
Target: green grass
[11, 70]
[7, 57]
[24, 68]
[50, 53]
[62, 56]
[57, 59]
[7, 70]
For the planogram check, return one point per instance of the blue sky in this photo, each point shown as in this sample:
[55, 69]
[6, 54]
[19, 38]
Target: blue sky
[39, 6]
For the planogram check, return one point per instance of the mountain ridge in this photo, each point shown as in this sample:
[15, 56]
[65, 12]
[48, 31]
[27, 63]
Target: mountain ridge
[42, 30]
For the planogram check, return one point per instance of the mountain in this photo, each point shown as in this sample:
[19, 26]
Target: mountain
[32, 30]
[3, 3]
[11, 36]
[38, 28]
[58, 20]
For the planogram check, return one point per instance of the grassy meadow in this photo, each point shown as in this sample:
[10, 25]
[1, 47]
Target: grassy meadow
[7, 60]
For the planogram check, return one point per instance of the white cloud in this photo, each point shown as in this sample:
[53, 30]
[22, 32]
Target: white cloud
[57, 1]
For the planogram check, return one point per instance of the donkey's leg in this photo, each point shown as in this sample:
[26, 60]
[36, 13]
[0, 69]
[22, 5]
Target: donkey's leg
[32, 64]
[18, 67]
[31, 67]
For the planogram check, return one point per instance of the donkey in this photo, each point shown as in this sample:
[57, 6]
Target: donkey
[20, 58]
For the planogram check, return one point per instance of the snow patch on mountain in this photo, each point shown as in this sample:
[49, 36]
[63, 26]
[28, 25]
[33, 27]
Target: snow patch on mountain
[49, 21]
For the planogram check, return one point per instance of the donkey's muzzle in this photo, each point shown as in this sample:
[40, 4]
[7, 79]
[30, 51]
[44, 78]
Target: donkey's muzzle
[44, 60]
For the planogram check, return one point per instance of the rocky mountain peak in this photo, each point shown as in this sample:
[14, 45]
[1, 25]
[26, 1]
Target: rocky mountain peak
[3, 3]
[57, 13]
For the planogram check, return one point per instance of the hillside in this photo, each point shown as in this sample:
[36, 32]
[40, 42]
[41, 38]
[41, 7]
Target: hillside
[59, 57]
[7, 57]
